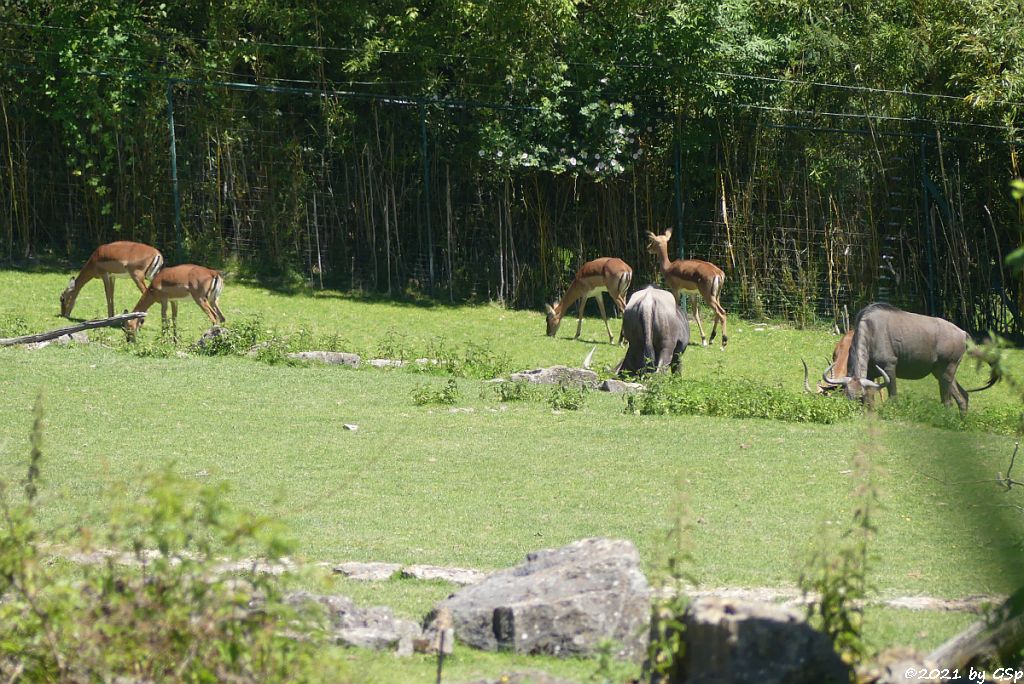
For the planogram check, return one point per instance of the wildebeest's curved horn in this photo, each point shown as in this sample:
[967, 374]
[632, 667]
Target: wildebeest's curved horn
[590, 357]
[807, 385]
[834, 381]
[875, 385]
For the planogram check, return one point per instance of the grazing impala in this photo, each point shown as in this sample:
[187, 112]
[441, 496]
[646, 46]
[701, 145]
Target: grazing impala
[135, 259]
[204, 285]
[605, 274]
[691, 275]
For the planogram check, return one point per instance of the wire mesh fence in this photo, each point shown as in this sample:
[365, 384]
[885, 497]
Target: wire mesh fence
[389, 195]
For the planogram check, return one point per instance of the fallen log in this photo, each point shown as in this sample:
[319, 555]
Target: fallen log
[998, 638]
[84, 325]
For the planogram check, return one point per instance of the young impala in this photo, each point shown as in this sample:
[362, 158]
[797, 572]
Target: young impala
[605, 274]
[135, 259]
[204, 285]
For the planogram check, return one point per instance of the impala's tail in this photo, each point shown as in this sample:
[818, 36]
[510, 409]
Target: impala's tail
[155, 266]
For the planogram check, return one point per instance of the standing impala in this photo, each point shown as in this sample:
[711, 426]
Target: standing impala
[135, 259]
[203, 284]
[604, 274]
[691, 276]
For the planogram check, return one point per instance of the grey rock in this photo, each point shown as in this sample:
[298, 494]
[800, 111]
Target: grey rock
[375, 627]
[209, 336]
[563, 601]
[618, 386]
[454, 575]
[386, 363]
[80, 337]
[332, 358]
[367, 571]
[729, 641]
[557, 375]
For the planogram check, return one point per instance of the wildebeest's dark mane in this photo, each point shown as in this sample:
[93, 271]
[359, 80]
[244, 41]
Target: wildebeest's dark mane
[874, 306]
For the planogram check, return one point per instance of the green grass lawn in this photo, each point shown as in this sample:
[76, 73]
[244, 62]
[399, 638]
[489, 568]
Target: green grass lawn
[481, 483]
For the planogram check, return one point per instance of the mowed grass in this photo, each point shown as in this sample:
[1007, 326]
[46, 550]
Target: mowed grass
[481, 483]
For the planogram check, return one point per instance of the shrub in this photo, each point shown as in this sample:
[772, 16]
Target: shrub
[671, 395]
[568, 398]
[172, 615]
[427, 394]
[514, 391]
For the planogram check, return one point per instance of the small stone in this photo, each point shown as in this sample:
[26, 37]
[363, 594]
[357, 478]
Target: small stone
[331, 358]
[367, 571]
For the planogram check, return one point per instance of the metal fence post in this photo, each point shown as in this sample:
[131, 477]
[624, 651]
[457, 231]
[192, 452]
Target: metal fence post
[678, 172]
[179, 248]
[929, 231]
[424, 152]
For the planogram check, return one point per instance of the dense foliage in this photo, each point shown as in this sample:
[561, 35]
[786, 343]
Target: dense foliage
[823, 153]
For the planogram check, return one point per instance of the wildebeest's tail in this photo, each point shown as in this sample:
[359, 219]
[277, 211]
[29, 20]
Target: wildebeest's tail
[993, 379]
[155, 266]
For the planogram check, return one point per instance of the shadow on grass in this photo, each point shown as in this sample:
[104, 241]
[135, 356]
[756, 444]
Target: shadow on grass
[992, 513]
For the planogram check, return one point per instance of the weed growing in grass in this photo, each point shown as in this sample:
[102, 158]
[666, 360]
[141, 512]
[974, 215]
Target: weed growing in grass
[568, 398]
[13, 326]
[668, 645]
[671, 395]
[170, 616]
[238, 338]
[394, 346]
[513, 391]
[475, 361]
[427, 394]
[155, 348]
[837, 570]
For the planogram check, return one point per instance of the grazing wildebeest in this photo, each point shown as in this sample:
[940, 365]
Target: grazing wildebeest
[656, 330]
[904, 345]
[604, 274]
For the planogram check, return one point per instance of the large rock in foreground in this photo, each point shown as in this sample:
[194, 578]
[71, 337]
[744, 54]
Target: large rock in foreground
[563, 602]
[729, 641]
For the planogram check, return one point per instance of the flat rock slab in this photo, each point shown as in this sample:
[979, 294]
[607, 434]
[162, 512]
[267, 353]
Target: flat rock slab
[557, 375]
[375, 627]
[618, 386]
[729, 640]
[332, 358]
[463, 576]
[367, 571]
[565, 602]
[63, 340]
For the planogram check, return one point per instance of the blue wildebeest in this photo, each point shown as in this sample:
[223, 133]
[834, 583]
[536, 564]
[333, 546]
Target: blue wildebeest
[657, 332]
[893, 344]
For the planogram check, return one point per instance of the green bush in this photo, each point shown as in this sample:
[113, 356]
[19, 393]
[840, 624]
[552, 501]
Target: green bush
[568, 398]
[514, 391]
[13, 326]
[170, 615]
[428, 394]
[672, 395]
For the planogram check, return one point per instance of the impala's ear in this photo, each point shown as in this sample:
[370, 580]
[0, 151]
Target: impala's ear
[550, 310]
[71, 284]
[651, 235]
[668, 234]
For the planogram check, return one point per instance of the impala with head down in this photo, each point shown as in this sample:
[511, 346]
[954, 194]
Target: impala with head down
[892, 343]
[605, 274]
[203, 284]
[692, 276]
[134, 259]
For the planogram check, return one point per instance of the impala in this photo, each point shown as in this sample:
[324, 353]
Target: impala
[691, 276]
[604, 274]
[204, 285]
[135, 259]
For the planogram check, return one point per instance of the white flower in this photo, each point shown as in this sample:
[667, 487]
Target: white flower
[572, 161]
[500, 154]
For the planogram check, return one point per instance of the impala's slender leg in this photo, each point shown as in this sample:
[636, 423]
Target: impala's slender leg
[581, 305]
[163, 317]
[108, 289]
[206, 307]
[174, 320]
[696, 317]
[136, 277]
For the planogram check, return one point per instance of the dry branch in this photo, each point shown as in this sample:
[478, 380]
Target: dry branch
[84, 325]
